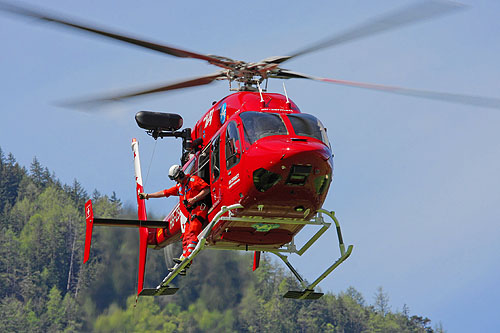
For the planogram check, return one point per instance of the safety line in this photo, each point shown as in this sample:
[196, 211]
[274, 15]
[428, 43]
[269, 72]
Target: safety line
[150, 163]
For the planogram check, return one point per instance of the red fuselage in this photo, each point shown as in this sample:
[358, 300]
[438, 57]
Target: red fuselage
[262, 152]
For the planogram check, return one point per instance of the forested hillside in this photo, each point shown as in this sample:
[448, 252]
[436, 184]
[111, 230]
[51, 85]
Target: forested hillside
[44, 286]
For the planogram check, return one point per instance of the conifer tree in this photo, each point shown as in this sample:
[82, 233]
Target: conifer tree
[45, 288]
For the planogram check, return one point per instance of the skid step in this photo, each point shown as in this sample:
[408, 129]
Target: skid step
[306, 294]
[158, 292]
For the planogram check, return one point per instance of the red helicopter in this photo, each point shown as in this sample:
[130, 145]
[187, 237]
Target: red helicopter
[269, 166]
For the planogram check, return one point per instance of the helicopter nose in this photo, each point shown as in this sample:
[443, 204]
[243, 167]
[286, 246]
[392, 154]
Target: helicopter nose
[290, 176]
[293, 156]
[306, 163]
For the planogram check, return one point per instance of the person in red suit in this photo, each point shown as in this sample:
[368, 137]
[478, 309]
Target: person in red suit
[191, 191]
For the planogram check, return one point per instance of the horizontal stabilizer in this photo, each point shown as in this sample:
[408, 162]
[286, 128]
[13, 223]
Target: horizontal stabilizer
[306, 294]
[131, 223]
[158, 292]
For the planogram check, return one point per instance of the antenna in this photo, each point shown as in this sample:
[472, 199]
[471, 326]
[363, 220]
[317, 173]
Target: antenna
[286, 95]
[261, 97]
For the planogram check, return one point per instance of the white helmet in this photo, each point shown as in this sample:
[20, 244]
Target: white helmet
[175, 172]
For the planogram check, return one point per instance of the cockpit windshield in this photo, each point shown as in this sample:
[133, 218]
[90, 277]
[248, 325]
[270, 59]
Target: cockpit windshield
[257, 125]
[308, 125]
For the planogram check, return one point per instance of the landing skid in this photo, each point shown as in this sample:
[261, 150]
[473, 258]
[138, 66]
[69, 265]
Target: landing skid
[158, 291]
[290, 248]
[163, 288]
[306, 294]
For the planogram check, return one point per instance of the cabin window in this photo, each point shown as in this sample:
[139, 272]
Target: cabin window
[257, 125]
[189, 166]
[215, 159]
[204, 165]
[233, 145]
[308, 125]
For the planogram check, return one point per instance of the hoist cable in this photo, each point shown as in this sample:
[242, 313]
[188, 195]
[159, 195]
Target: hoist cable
[150, 163]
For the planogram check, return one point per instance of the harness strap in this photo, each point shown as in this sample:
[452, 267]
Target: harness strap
[201, 219]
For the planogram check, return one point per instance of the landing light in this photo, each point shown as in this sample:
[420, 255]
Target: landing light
[298, 174]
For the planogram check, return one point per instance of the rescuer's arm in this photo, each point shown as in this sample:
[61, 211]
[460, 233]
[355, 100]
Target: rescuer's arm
[203, 193]
[159, 194]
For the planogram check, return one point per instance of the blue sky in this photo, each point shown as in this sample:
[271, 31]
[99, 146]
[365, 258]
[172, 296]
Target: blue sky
[416, 182]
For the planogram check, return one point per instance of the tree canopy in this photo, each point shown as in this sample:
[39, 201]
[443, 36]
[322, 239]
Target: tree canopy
[44, 286]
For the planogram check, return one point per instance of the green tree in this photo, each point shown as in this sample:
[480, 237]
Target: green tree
[382, 302]
[77, 194]
[11, 264]
[55, 312]
[44, 286]
[13, 318]
[10, 177]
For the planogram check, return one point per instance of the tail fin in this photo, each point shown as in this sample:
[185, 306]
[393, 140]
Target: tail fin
[143, 240]
[256, 260]
[141, 213]
[89, 218]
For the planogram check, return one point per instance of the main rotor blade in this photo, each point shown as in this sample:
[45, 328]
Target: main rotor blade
[487, 102]
[390, 21]
[26, 12]
[198, 81]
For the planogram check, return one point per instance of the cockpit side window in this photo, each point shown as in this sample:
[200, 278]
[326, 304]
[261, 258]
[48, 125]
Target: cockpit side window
[203, 164]
[257, 125]
[308, 125]
[233, 145]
